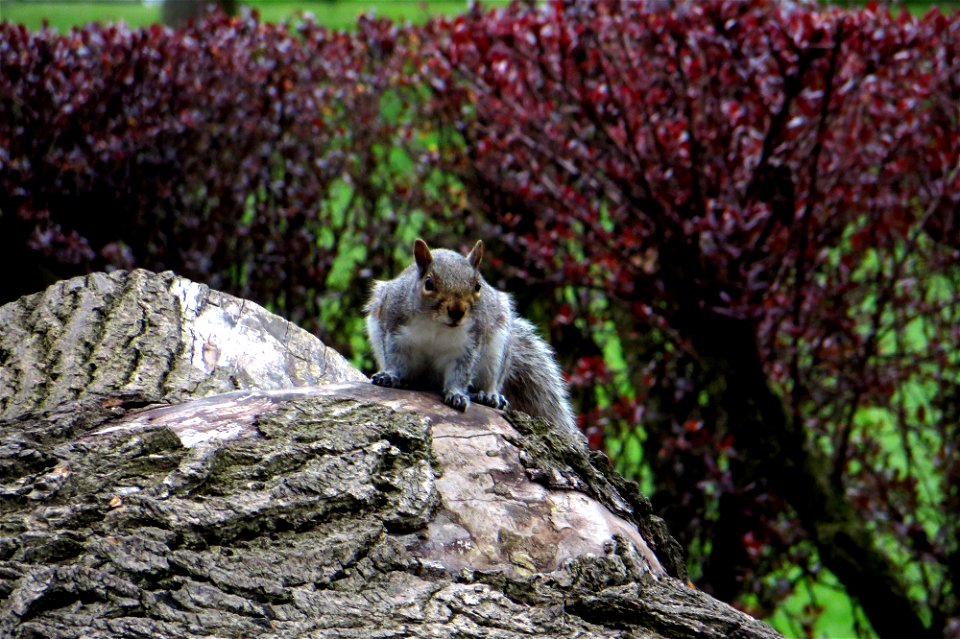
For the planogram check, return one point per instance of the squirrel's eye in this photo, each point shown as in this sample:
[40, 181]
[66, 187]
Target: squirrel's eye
[428, 284]
[477, 287]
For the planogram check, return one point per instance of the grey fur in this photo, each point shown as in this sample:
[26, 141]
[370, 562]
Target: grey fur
[533, 380]
[488, 354]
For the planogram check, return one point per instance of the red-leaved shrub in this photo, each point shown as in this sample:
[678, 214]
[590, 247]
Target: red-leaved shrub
[242, 154]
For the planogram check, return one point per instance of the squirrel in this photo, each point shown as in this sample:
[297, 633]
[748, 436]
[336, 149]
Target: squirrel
[440, 326]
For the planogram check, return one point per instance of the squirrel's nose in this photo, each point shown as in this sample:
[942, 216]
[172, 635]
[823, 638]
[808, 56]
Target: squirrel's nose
[455, 313]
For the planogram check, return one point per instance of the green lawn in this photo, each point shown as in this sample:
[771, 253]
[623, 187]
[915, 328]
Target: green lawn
[337, 14]
[64, 15]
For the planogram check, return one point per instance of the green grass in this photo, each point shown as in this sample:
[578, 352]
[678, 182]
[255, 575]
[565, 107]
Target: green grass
[336, 14]
[343, 14]
[64, 15]
[914, 7]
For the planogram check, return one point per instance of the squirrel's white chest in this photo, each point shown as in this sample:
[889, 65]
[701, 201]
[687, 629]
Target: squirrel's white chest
[431, 346]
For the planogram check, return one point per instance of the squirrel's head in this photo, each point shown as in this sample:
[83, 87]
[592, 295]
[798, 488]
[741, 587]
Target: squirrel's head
[450, 284]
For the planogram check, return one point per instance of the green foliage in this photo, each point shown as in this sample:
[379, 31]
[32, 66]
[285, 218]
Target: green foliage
[818, 607]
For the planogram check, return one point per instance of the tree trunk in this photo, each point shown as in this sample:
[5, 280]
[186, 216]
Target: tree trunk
[178, 12]
[801, 473]
[177, 462]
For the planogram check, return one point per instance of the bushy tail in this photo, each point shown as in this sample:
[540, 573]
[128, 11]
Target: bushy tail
[534, 383]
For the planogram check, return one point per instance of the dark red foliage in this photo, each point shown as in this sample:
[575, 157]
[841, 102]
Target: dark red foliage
[217, 151]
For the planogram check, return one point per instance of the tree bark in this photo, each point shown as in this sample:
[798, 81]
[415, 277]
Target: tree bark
[177, 462]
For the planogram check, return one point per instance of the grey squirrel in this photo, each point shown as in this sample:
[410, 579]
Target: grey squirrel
[440, 326]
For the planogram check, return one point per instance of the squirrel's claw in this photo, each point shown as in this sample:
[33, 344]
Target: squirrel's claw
[456, 400]
[493, 400]
[387, 380]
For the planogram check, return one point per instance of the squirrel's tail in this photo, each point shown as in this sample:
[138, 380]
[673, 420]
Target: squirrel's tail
[534, 383]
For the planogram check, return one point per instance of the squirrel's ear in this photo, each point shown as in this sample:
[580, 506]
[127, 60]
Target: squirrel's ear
[476, 255]
[421, 253]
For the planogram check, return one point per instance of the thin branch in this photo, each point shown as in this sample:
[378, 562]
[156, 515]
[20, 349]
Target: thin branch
[800, 272]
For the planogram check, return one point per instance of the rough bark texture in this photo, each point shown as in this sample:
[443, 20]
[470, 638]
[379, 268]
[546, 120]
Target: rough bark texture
[176, 462]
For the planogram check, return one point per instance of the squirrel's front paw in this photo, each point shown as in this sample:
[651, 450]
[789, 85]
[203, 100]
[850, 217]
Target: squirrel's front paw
[493, 400]
[456, 400]
[387, 379]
